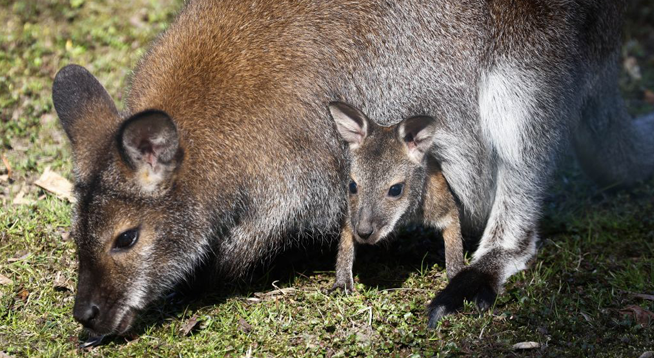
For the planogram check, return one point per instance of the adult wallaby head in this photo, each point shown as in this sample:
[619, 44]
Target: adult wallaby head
[130, 242]
[387, 169]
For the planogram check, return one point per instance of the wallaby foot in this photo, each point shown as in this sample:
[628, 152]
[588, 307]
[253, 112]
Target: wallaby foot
[344, 284]
[470, 284]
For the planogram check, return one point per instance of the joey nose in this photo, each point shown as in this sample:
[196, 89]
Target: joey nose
[86, 314]
[364, 233]
[364, 226]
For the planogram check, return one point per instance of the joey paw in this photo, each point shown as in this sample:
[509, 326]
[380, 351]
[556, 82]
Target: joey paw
[347, 286]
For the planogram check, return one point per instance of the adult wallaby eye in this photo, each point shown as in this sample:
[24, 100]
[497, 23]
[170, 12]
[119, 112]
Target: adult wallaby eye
[395, 190]
[353, 187]
[127, 239]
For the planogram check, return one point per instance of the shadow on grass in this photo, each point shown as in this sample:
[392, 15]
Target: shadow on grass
[386, 265]
[389, 265]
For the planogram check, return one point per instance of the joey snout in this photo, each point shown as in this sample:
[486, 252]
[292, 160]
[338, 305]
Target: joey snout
[366, 228]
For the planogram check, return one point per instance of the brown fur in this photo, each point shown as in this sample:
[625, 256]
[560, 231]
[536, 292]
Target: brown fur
[439, 208]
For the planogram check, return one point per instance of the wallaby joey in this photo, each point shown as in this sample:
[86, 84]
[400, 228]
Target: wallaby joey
[226, 152]
[393, 179]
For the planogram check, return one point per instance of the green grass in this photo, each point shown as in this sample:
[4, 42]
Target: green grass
[597, 249]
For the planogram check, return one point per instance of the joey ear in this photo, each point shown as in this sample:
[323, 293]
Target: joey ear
[149, 144]
[78, 98]
[351, 123]
[417, 134]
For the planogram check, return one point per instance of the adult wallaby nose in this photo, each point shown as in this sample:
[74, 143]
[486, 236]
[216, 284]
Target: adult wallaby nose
[86, 313]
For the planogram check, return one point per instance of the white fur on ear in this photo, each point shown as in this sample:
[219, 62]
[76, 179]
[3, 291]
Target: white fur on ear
[351, 123]
[417, 133]
[150, 145]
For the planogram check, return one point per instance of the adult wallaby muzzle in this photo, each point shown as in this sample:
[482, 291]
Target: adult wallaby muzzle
[86, 312]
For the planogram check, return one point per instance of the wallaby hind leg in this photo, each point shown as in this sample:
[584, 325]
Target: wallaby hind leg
[613, 148]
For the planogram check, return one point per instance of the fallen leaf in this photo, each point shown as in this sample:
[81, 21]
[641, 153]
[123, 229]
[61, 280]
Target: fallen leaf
[248, 354]
[7, 165]
[274, 293]
[244, 325]
[644, 296]
[4, 280]
[61, 283]
[526, 345]
[23, 295]
[20, 198]
[648, 354]
[20, 256]
[632, 68]
[132, 338]
[649, 96]
[139, 20]
[4, 355]
[189, 325]
[639, 314]
[56, 184]
[47, 118]
[586, 317]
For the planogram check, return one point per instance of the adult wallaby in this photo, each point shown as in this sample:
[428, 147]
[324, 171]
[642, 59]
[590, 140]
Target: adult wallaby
[392, 180]
[226, 146]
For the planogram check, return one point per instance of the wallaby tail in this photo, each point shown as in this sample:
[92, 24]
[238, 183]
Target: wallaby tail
[613, 148]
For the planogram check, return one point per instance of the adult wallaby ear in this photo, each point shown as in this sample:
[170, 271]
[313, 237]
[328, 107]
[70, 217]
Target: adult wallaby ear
[149, 144]
[77, 95]
[417, 133]
[351, 123]
[88, 115]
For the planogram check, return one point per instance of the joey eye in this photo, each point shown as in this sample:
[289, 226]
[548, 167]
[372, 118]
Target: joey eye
[127, 239]
[353, 187]
[396, 190]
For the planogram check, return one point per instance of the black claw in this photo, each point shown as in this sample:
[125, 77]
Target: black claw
[485, 297]
[436, 313]
[469, 284]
